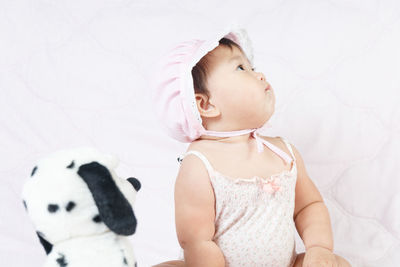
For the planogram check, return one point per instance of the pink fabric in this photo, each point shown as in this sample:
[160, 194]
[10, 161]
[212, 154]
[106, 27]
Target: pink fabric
[175, 103]
[272, 186]
[254, 216]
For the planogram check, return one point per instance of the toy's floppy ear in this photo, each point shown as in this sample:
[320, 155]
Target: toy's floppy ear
[46, 244]
[115, 210]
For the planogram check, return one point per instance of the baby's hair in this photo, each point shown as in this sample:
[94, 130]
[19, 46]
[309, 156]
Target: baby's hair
[203, 68]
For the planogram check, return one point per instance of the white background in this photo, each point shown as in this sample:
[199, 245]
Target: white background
[75, 72]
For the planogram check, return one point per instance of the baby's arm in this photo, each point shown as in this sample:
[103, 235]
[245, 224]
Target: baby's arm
[195, 215]
[310, 214]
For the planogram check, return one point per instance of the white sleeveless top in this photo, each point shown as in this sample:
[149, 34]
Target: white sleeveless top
[254, 216]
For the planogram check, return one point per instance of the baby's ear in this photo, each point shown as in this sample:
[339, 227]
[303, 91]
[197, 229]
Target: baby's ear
[205, 107]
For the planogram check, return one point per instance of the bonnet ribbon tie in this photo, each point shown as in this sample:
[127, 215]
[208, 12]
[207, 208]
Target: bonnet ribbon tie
[255, 133]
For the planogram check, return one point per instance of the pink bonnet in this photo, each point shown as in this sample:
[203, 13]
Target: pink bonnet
[173, 91]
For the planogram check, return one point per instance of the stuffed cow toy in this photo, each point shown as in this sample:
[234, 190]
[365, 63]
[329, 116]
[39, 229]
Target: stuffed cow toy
[82, 210]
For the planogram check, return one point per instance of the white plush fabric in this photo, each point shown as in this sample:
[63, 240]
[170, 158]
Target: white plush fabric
[100, 250]
[82, 209]
[76, 73]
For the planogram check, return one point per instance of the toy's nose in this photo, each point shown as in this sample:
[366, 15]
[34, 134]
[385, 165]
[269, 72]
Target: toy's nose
[135, 183]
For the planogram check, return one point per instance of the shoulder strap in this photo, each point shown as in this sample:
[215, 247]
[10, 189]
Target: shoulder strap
[200, 156]
[288, 146]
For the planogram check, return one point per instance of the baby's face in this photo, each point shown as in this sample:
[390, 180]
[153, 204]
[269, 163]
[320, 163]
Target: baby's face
[239, 92]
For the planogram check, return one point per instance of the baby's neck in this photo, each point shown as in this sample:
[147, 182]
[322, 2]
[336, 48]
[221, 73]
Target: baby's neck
[240, 139]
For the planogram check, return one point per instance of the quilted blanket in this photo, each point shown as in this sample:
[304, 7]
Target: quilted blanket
[77, 73]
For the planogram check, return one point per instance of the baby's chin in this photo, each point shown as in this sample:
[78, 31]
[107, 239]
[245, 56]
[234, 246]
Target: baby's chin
[268, 117]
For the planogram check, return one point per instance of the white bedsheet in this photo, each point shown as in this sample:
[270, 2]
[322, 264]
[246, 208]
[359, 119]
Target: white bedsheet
[76, 73]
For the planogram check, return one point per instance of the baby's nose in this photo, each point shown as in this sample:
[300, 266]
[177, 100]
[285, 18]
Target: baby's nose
[261, 76]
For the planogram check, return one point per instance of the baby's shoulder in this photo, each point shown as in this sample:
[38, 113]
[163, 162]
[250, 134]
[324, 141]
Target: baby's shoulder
[193, 159]
[193, 171]
[275, 140]
[279, 141]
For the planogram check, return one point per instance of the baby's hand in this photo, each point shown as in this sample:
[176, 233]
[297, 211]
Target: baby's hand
[322, 257]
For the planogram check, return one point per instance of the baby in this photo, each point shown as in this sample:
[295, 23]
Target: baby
[239, 195]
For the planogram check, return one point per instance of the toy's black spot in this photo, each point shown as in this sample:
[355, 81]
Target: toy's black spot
[125, 262]
[61, 260]
[33, 171]
[97, 219]
[26, 207]
[52, 208]
[71, 165]
[70, 206]
[46, 244]
[135, 264]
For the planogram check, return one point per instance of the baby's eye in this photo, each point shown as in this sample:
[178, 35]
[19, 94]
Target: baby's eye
[240, 66]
